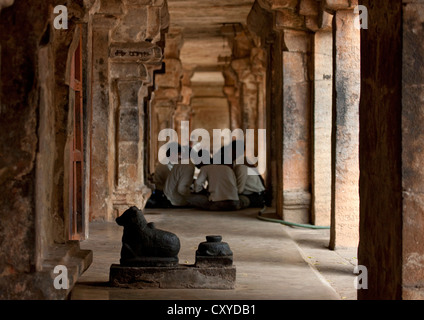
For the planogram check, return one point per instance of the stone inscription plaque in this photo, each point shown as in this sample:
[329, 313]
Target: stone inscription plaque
[143, 52]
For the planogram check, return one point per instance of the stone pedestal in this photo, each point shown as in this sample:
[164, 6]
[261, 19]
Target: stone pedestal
[180, 277]
[213, 270]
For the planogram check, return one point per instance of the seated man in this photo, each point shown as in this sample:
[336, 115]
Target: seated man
[221, 187]
[158, 199]
[250, 186]
[178, 183]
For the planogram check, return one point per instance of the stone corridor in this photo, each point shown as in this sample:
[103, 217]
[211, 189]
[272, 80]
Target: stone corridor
[333, 91]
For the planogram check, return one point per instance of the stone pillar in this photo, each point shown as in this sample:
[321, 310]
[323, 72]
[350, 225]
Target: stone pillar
[259, 63]
[322, 121]
[125, 55]
[296, 116]
[248, 93]
[285, 30]
[258, 57]
[232, 92]
[102, 122]
[345, 138]
[128, 76]
[391, 151]
[182, 113]
[167, 94]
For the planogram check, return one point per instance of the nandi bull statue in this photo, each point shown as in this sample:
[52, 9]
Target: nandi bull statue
[145, 246]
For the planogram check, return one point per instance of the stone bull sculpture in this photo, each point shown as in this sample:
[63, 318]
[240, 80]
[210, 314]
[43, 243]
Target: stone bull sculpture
[145, 246]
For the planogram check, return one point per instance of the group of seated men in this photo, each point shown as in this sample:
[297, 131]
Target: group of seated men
[218, 187]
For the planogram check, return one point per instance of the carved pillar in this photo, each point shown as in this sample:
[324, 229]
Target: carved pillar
[248, 92]
[167, 94]
[125, 56]
[184, 111]
[128, 76]
[345, 139]
[260, 21]
[232, 92]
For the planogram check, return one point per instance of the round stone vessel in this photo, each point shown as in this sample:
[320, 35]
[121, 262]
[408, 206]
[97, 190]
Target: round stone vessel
[213, 246]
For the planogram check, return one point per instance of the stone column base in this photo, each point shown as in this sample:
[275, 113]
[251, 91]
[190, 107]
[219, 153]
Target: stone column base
[296, 206]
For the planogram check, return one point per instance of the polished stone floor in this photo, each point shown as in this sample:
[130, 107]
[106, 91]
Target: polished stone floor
[273, 261]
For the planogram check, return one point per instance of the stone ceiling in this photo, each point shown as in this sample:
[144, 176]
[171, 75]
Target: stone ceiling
[204, 24]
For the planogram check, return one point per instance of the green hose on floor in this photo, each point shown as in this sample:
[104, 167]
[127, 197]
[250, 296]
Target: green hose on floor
[291, 224]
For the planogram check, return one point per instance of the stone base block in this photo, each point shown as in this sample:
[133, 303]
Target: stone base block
[213, 261]
[296, 206]
[150, 262]
[180, 277]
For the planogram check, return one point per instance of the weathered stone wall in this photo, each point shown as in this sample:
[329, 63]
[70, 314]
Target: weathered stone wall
[34, 97]
[37, 129]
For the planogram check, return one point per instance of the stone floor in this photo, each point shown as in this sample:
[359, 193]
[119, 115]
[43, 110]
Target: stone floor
[273, 261]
